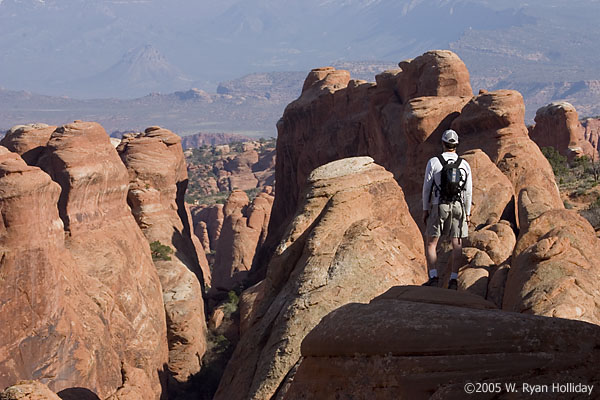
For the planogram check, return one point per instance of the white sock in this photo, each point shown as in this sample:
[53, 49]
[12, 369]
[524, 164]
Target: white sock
[433, 273]
[454, 275]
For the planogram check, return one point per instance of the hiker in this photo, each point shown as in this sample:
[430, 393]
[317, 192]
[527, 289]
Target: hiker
[447, 191]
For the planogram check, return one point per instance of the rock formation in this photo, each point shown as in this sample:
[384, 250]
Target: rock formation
[158, 177]
[102, 234]
[221, 169]
[28, 390]
[398, 121]
[555, 271]
[512, 258]
[591, 132]
[449, 339]
[212, 217]
[351, 239]
[557, 125]
[66, 323]
[28, 140]
[244, 230]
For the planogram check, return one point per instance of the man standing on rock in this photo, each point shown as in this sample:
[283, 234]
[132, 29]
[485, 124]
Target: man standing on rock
[447, 192]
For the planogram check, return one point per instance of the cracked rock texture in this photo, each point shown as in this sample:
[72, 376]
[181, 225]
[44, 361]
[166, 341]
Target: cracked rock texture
[351, 239]
[469, 342]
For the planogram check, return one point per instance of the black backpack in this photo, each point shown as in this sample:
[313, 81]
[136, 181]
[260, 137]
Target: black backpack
[452, 182]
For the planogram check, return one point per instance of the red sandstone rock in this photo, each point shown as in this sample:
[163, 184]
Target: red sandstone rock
[403, 349]
[497, 240]
[474, 276]
[60, 325]
[592, 132]
[493, 122]
[250, 300]
[436, 73]
[28, 390]
[557, 125]
[28, 140]
[244, 230]
[493, 194]
[158, 176]
[213, 217]
[104, 238]
[555, 270]
[350, 240]
[201, 231]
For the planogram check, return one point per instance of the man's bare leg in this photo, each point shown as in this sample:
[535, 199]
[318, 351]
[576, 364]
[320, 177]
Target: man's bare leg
[456, 257]
[430, 252]
[431, 257]
[456, 254]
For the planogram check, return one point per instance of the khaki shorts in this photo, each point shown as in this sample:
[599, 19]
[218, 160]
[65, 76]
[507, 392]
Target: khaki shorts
[439, 222]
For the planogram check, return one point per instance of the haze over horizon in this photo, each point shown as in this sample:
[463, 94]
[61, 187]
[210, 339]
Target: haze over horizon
[84, 49]
[139, 59]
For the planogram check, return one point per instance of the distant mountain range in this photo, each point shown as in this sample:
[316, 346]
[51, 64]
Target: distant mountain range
[77, 47]
[153, 52]
[140, 71]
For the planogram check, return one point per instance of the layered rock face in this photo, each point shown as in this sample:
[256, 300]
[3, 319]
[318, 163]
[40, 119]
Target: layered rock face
[28, 140]
[102, 234]
[158, 177]
[65, 324]
[350, 240]
[557, 125]
[449, 339]
[243, 231]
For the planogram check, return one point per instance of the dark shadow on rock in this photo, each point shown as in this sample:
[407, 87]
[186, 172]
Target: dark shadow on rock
[77, 393]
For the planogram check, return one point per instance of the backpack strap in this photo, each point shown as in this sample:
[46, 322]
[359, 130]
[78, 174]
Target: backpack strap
[442, 160]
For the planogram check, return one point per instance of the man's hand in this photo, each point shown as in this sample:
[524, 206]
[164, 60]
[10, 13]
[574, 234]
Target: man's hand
[468, 219]
[425, 216]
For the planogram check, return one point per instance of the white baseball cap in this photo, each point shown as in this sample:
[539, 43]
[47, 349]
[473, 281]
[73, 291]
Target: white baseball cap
[450, 136]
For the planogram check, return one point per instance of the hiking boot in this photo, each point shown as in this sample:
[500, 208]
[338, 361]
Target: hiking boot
[432, 282]
[453, 284]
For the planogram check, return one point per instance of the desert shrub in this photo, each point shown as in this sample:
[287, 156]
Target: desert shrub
[160, 251]
[557, 161]
[231, 305]
[252, 193]
[592, 214]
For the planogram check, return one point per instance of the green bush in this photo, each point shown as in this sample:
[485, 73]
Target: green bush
[160, 251]
[232, 304]
[557, 161]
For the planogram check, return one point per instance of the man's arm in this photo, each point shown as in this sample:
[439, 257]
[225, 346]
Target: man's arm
[427, 186]
[468, 192]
